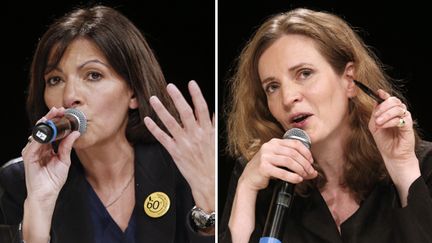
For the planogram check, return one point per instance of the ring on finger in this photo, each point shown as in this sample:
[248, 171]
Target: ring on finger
[401, 122]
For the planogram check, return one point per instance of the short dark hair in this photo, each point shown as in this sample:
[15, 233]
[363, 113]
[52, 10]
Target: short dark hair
[124, 47]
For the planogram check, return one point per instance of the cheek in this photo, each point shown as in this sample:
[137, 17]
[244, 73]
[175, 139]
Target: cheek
[276, 110]
[52, 99]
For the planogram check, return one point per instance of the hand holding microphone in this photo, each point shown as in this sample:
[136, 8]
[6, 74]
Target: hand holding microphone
[282, 197]
[283, 159]
[46, 170]
[59, 127]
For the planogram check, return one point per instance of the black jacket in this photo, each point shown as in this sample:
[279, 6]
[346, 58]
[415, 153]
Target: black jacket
[154, 171]
[379, 219]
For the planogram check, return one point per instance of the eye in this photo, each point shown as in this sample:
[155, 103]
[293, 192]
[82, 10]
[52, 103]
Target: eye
[304, 73]
[94, 76]
[52, 81]
[271, 87]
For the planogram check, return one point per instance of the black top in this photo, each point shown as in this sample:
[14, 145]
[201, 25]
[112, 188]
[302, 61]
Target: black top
[154, 172]
[379, 218]
[105, 229]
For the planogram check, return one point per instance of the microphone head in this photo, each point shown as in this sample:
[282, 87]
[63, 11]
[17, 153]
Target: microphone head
[298, 134]
[80, 118]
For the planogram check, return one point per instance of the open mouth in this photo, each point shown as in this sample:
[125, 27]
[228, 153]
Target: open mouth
[300, 118]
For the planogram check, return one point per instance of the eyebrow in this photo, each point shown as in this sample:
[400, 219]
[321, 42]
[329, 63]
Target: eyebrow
[291, 69]
[52, 67]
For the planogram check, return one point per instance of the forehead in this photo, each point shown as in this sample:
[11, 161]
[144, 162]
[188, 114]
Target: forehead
[79, 49]
[291, 48]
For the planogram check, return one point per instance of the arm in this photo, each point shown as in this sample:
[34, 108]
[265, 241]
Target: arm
[191, 145]
[396, 142]
[45, 174]
[271, 161]
[413, 222]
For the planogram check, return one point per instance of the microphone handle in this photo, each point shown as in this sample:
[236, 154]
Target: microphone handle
[52, 130]
[279, 208]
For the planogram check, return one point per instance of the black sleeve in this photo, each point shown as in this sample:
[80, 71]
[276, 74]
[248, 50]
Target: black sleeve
[12, 196]
[224, 232]
[186, 203]
[414, 222]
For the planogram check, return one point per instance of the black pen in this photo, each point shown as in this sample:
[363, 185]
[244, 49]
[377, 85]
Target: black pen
[368, 91]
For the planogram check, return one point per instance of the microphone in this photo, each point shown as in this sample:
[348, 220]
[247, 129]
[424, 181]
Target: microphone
[59, 127]
[282, 197]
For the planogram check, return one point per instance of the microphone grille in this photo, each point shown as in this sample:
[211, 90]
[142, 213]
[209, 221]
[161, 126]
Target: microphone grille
[82, 120]
[298, 134]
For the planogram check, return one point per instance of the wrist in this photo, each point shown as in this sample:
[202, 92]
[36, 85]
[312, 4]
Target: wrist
[37, 220]
[204, 196]
[402, 177]
[203, 221]
[404, 174]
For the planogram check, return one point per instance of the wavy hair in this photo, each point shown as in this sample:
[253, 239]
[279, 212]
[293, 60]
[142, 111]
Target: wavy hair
[250, 123]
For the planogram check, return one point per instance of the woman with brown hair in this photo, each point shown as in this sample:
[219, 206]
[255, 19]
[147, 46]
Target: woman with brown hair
[366, 175]
[135, 173]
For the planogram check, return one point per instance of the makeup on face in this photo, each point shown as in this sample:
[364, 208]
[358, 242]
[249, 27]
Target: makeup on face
[368, 91]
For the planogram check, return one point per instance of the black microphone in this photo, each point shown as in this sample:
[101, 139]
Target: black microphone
[282, 197]
[59, 127]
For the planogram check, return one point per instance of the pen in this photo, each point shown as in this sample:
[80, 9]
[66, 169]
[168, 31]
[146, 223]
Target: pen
[368, 91]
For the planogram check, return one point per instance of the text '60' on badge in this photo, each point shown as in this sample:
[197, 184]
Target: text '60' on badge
[156, 204]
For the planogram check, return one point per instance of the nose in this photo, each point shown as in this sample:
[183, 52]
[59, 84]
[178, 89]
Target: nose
[291, 94]
[72, 94]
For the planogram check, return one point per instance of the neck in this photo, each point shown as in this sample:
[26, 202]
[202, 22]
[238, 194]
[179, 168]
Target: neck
[108, 165]
[329, 154]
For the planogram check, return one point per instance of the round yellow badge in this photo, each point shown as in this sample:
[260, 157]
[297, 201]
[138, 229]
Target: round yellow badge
[156, 204]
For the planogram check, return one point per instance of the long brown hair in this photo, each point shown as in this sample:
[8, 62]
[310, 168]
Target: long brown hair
[124, 47]
[250, 123]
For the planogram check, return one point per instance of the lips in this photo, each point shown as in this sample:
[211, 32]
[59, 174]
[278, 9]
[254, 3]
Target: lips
[299, 119]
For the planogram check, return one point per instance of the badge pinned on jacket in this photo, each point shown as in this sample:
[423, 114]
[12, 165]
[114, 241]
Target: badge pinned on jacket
[156, 204]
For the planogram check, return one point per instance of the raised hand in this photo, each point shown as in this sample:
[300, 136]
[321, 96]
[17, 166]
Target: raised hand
[392, 128]
[191, 143]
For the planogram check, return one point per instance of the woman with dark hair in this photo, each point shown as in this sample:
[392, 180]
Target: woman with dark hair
[367, 176]
[136, 174]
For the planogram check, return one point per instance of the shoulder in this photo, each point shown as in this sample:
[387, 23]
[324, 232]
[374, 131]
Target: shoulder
[12, 191]
[153, 160]
[152, 152]
[12, 171]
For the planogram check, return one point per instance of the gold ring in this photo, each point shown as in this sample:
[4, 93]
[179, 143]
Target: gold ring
[401, 122]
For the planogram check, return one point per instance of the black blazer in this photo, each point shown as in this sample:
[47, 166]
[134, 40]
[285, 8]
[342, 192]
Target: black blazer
[154, 171]
[379, 219]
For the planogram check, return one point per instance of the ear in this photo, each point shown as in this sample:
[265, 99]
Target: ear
[133, 102]
[348, 78]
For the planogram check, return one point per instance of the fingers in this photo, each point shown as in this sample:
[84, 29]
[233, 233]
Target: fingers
[167, 119]
[158, 133]
[186, 113]
[200, 105]
[184, 109]
[287, 160]
[391, 113]
[65, 146]
[40, 151]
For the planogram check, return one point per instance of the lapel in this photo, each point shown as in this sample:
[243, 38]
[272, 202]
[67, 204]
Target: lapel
[71, 221]
[154, 172]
